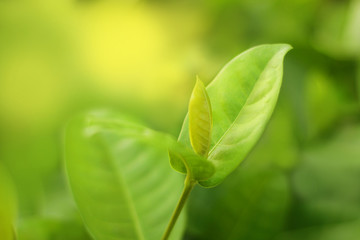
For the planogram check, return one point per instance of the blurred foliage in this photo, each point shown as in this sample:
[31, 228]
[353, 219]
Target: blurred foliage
[7, 206]
[327, 180]
[60, 56]
[241, 207]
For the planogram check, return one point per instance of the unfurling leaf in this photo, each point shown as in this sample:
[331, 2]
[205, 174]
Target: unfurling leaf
[183, 158]
[200, 119]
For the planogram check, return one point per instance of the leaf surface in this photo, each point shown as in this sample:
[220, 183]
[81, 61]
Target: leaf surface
[120, 178]
[243, 96]
[200, 119]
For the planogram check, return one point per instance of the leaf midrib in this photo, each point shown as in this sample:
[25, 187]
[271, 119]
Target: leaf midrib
[121, 182]
[238, 115]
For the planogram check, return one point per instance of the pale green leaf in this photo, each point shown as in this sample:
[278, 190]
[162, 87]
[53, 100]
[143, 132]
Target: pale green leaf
[120, 178]
[200, 119]
[243, 96]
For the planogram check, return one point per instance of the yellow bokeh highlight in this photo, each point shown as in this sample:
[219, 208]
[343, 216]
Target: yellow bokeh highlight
[127, 50]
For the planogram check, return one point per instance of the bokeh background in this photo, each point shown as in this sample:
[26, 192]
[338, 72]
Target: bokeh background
[302, 181]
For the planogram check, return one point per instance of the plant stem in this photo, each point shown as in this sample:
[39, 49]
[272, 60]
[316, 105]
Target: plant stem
[188, 186]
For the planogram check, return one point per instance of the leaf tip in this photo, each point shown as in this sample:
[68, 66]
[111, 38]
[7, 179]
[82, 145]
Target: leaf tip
[286, 47]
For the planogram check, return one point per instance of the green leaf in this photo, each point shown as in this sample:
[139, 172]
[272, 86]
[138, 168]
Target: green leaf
[183, 158]
[7, 206]
[243, 96]
[200, 119]
[120, 177]
[191, 163]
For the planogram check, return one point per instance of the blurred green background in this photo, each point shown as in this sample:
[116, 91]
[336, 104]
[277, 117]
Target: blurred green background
[302, 181]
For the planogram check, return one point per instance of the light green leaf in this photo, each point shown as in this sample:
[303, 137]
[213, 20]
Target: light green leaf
[243, 96]
[191, 163]
[200, 119]
[7, 206]
[183, 158]
[120, 178]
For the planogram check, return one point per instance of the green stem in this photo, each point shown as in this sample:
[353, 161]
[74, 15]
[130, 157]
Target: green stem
[188, 186]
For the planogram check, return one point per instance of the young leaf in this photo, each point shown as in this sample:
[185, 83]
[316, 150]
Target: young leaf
[243, 96]
[200, 119]
[182, 158]
[120, 177]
